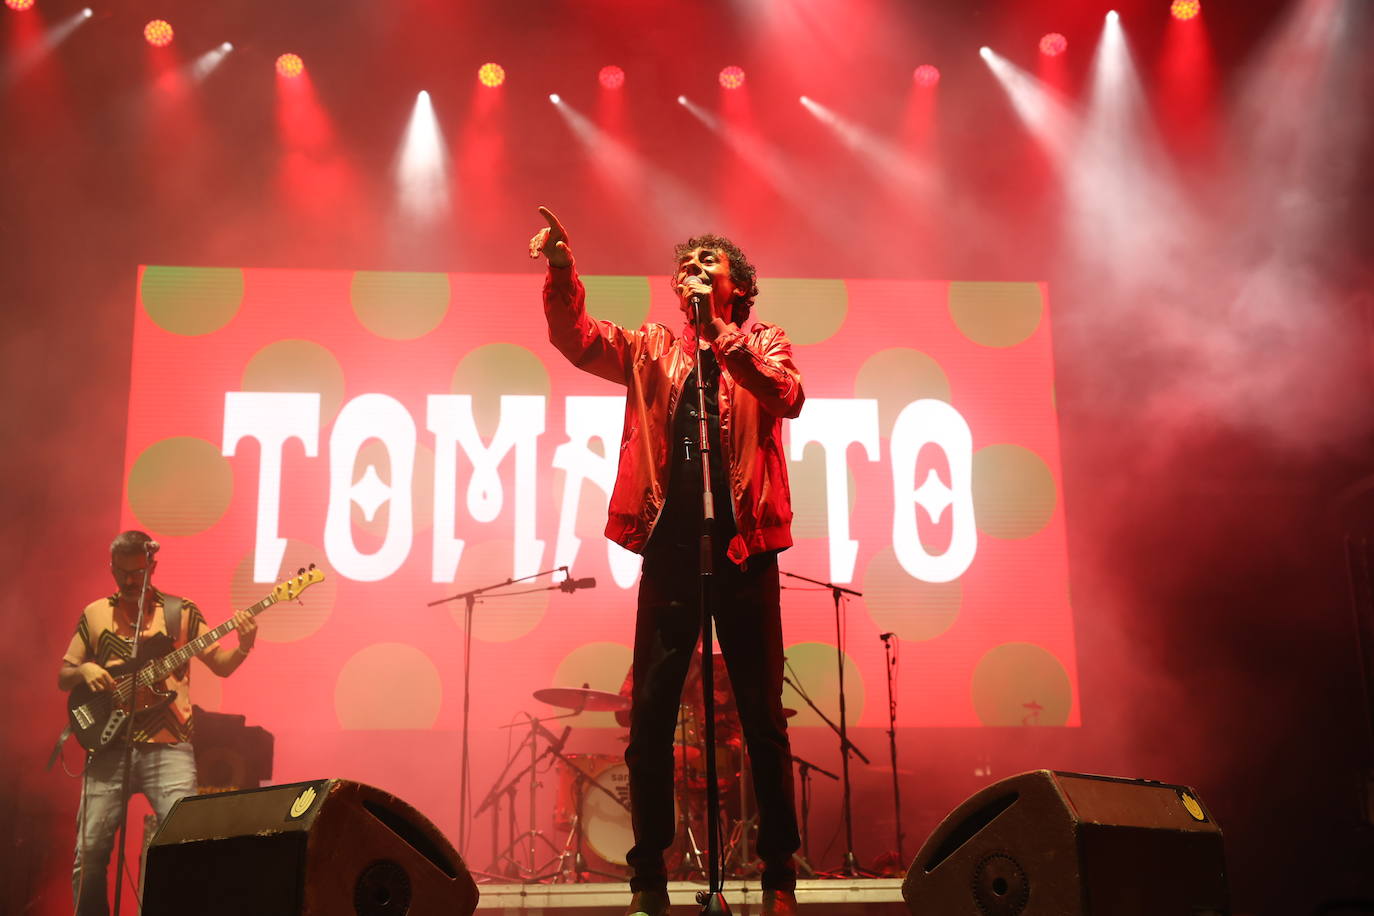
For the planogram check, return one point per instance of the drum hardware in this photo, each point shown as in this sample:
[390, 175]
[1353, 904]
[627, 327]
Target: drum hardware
[582, 699]
[804, 768]
[504, 862]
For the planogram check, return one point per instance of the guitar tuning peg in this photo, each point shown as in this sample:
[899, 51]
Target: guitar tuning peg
[312, 565]
[301, 571]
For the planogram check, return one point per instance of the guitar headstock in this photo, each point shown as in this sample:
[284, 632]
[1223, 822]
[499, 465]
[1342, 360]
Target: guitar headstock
[292, 588]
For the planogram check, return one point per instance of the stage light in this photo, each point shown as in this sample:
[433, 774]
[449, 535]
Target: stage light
[491, 75]
[19, 5]
[732, 77]
[682, 100]
[1185, 9]
[158, 33]
[554, 97]
[88, 12]
[290, 66]
[611, 77]
[1053, 44]
[226, 46]
[926, 76]
[985, 52]
[1112, 16]
[805, 101]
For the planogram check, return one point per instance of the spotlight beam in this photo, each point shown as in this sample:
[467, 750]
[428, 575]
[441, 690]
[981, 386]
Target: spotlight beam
[422, 184]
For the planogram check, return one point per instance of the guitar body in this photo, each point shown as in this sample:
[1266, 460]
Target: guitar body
[98, 718]
[94, 716]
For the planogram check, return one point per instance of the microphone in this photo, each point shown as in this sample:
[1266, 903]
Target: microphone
[886, 636]
[563, 738]
[569, 585]
[152, 547]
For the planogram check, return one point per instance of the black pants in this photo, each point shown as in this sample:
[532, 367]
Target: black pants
[748, 624]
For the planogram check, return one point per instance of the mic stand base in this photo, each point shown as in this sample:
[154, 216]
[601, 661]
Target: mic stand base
[712, 904]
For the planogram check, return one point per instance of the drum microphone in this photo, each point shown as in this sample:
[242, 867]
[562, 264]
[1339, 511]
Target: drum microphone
[151, 546]
[569, 585]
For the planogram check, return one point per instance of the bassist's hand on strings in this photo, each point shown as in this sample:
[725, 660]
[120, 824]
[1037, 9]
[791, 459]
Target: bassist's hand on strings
[95, 677]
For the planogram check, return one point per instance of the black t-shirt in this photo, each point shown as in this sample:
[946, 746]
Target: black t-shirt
[680, 523]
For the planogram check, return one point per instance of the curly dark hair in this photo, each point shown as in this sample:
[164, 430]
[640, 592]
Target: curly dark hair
[741, 271]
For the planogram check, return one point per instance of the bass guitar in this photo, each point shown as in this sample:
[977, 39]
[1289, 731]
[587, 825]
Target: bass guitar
[99, 717]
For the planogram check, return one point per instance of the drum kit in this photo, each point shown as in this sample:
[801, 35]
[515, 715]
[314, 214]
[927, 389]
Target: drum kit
[592, 809]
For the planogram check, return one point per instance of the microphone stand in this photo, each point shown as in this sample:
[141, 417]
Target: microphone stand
[711, 900]
[891, 669]
[851, 864]
[804, 768]
[128, 737]
[470, 598]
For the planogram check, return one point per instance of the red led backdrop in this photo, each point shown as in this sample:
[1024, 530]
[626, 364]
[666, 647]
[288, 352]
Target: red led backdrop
[415, 435]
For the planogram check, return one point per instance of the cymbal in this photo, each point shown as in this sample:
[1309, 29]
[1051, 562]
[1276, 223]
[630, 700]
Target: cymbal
[582, 699]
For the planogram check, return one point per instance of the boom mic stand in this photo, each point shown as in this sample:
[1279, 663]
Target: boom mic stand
[470, 598]
[712, 900]
[804, 768]
[150, 547]
[851, 865]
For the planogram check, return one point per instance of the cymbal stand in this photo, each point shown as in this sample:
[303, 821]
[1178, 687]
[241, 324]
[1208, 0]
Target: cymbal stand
[509, 788]
[469, 599]
[804, 768]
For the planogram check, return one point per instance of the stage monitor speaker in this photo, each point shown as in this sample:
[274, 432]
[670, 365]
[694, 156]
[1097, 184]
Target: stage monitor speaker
[1064, 844]
[324, 848]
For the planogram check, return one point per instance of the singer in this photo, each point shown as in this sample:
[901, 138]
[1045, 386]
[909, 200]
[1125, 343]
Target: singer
[164, 763]
[655, 510]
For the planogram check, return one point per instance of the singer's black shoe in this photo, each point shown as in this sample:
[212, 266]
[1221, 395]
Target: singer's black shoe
[779, 903]
[649, 903]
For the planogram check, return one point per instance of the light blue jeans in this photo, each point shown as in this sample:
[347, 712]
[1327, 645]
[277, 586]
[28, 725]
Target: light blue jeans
[162, 772]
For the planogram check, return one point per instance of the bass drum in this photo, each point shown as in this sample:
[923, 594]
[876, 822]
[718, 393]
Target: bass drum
[606, 819]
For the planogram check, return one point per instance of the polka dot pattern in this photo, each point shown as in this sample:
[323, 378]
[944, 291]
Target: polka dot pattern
[996, 314]
[897, 376]
[623, 300]
[495, 618]
[180, 486]
[400, 306]
[191, 301]
[389, 686]
[813, 666]
[811, 311]
[286, 621]
[490, 371]
[297, 366]
[1014, 493]
[1021, 684]
[600, 666]
[913, 609]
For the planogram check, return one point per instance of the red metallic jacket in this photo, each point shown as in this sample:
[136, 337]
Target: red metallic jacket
[759, 387]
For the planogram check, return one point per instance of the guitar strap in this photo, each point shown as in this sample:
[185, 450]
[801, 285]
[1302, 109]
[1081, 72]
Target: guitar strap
[171, 616]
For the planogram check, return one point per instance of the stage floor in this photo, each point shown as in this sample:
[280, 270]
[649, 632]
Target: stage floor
[828, 897]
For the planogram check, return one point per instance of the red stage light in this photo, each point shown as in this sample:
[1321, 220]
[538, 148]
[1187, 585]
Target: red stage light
[19, 5]
[491, 75]
[926, 76]
[290, 66]
[158, 33]
[611, 77]
[732, 77]
[1053, 44]
[1185, 9]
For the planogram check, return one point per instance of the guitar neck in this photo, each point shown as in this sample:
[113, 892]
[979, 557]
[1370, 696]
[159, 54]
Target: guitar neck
[160, 668]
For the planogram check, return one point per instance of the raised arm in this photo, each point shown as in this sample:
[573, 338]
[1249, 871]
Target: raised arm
[599, 347]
